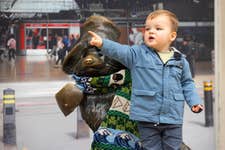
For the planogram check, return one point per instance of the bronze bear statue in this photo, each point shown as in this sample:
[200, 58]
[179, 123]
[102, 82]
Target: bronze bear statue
[85, 60]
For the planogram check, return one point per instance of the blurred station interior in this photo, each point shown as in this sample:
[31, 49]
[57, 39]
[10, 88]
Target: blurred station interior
[35, 22]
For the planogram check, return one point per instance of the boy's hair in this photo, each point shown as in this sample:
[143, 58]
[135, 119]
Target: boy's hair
[171, 15]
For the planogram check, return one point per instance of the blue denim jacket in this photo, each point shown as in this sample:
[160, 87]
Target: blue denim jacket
[158, 90]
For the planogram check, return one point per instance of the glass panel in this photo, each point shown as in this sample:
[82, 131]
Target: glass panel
[36, 38]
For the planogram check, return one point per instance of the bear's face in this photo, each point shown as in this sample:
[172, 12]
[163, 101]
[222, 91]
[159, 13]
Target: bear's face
[86, 60]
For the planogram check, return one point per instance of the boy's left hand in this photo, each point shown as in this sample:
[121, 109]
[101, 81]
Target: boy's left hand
[197, 108]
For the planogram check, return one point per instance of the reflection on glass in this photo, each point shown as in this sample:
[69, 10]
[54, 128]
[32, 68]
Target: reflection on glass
[37, 38]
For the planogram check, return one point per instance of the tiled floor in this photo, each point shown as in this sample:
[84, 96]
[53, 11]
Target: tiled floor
[30, 68]
[35, 80]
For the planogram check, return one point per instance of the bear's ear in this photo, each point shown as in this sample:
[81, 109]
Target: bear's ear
[68, 98]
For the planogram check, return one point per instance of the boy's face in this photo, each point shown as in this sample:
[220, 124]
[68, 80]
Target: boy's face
[158, 33]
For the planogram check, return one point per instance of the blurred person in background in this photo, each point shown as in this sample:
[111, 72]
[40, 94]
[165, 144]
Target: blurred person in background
[188, 49]
[11, 44]
[60, 50]
[72, 43]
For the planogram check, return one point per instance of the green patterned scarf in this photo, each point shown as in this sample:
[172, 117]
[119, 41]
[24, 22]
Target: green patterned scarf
[116, 122]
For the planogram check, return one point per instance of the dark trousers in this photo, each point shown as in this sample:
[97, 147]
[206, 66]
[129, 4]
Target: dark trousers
[160, 136]
[61, 56]
[12, 53]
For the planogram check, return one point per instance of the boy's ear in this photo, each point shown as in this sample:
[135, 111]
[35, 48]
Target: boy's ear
[173, 36]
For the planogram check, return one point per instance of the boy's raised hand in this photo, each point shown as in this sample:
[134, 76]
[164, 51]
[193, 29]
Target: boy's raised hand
[96, 40]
